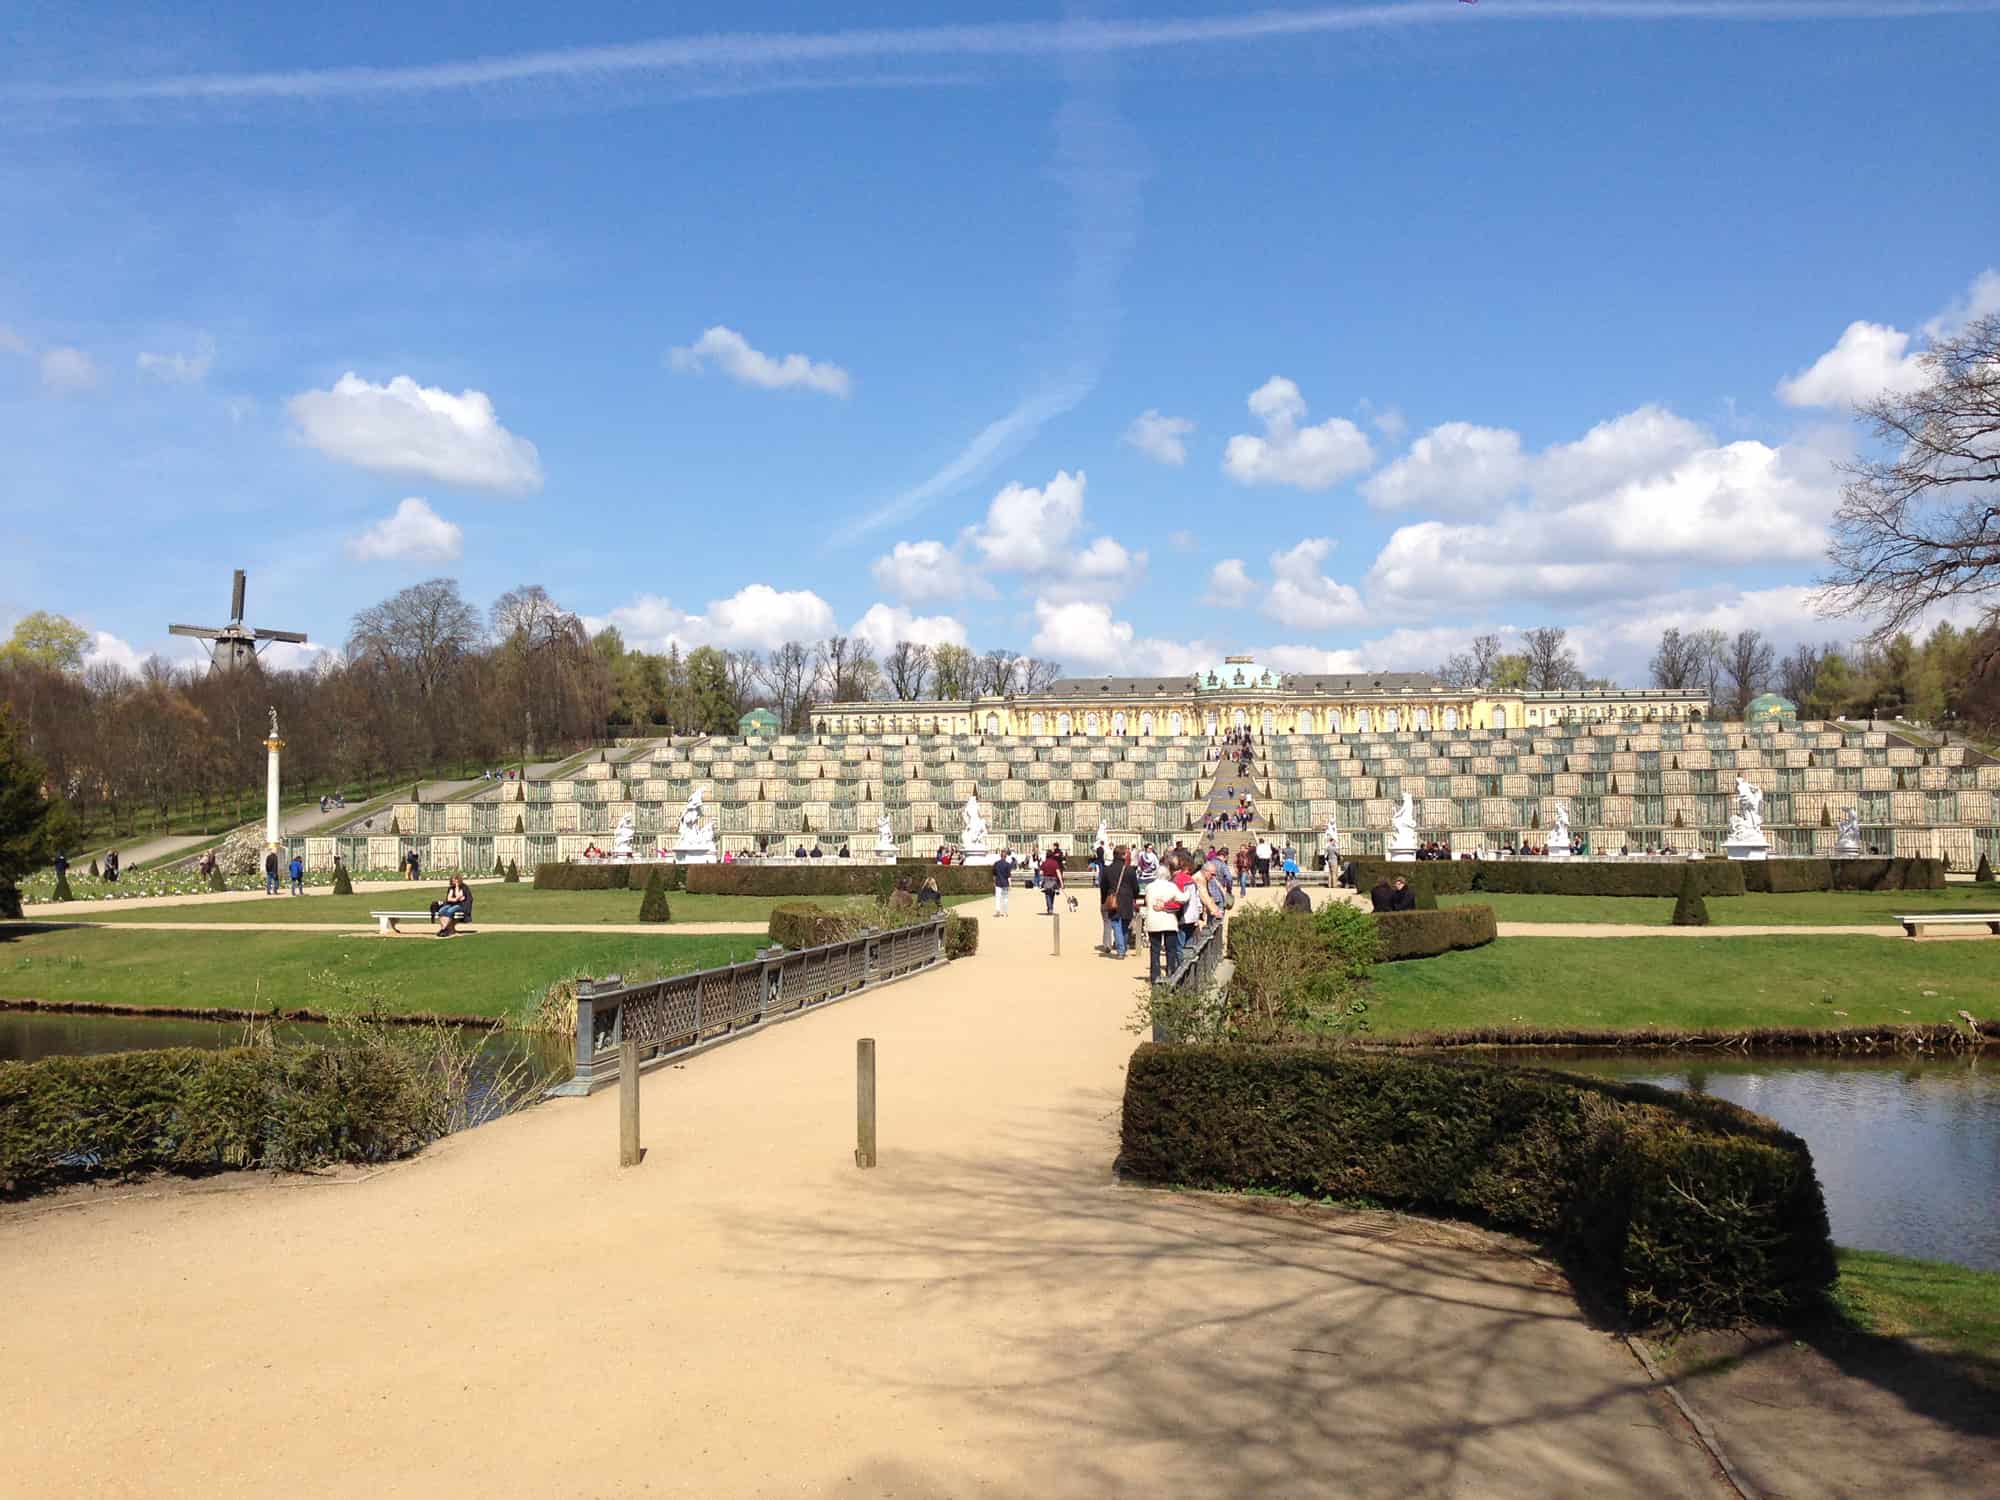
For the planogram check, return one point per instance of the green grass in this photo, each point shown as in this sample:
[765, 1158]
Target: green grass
[491, 904]
[1806, 909]
[1709, 983]
[494, 974]
[1941, 1306]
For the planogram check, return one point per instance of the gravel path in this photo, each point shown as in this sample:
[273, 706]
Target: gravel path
[986, 1314]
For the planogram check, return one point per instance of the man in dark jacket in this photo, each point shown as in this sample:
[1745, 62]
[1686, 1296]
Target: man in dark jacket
[1382, 895]
[1402, 898]
[1296, 898]
[1118, 899]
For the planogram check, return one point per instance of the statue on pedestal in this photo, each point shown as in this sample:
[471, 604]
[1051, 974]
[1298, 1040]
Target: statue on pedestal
[1330, 840]
[885, 836]
[1103, 838]
[695, 843]
[1847, 839]
[621, 839]
[1403, 831]
[1746, 825]
[1559, 839]
[973, 839]
[274, 723]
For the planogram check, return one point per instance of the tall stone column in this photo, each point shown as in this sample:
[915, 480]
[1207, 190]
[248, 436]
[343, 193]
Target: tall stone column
[273, 745]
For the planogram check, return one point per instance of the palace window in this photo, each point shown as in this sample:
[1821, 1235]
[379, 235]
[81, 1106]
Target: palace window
[1270, 722]
[1174, 722]
[1090, 723]
[1118, 722]
[1499, 718]
[1389, 721]
[1146, 722]
[1062, 723]
[1451, 718]
[1034, 723]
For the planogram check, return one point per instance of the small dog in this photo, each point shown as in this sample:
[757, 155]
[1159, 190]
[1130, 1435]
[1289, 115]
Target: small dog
[1072, 903]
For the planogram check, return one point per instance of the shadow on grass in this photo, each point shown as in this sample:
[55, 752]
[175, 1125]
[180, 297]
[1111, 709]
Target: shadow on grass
[13, 931]
[1223, 1345]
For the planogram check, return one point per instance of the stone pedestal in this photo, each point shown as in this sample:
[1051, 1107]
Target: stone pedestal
[1759, 850]
[706, 856]
[1844, 849]
[272, 836]
[976, 856]
[1403, 853]
[1558, 851]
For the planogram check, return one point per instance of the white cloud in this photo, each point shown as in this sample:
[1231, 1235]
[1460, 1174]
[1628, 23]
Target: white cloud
[11, 342]
[1106, 564]
[1305, 598]
[1028, 530]
[1160, 438]
[406, 428]
[1184, 541]
[916, 571]
[1082, 635]
[1387, 420]
[1309, 458]
[181, 369]
[1869, 360]
[415, 533]
[1981, 299]
[885, 624]
[68, 370]
[756, 617]
[732, 354]
[1229, 584]
[1457, 466]
[108, 650]
[1640, 442]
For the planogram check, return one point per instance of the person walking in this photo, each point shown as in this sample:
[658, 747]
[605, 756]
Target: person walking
[1163, 924]
[297, 871]
[1003, 875]
[1262, 857]
[1052, 879]
[270, 872]
[1118, 897]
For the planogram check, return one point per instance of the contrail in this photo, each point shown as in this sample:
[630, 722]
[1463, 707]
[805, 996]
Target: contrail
[1025, 39]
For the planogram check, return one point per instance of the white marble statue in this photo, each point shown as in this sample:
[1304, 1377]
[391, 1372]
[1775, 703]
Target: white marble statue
[1403, 827]
[973, 838]
[621, 838]
[1559, 838]
[1847, 840]
[696, 839]
[274, 723]
[1746, 826]
[885, 836]
[1103, 838]
[1330, 841]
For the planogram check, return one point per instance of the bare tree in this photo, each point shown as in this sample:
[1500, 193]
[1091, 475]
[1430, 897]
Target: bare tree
[1551, 664]
[1680, 660]
[847, 669]
[426, 628]
[999, 673]
[788, 674]
[743, 671]
[908, 668]
[1922, 524]
[1038, 676]
[1798, 674]
[1748, 665]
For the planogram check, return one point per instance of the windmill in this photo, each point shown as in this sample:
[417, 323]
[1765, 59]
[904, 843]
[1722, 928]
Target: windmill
[231, 646]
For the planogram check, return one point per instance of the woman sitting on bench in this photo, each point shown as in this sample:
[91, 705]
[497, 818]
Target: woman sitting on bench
[454, 909]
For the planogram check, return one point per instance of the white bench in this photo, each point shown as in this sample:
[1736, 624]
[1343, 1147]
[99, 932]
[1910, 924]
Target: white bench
[385, 921]
[1914, 925]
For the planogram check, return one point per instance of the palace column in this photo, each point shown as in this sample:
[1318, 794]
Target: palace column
[273, 745]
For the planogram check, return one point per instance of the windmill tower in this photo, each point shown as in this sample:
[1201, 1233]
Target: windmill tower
[231, 646]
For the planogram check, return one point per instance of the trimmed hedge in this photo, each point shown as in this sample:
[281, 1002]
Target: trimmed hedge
[1539, 877]
[803, 925]
[192, 1109]
[751, 879]
[1425, 934]
[1676, 1208]
[564, 876]
[1787, 876]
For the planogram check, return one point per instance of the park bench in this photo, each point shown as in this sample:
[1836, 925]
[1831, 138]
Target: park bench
[385, 921]
[1914, 925]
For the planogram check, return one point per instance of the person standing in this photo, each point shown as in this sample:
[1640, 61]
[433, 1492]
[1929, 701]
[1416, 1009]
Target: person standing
[62, 867]
[270, 872]
[1163, 924]
[1262, 857]
[1052, 879]
[1118, 897]
[297, 871]
[1003, 875]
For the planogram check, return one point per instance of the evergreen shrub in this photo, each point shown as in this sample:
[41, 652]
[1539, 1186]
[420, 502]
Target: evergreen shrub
[1677, 1208]
[62, 892]
[1984, 874]
[653, 905]
[513, 873]
[1689, 909]
[217, 881]
[1425, 934]
[93, 871]
[343, 884]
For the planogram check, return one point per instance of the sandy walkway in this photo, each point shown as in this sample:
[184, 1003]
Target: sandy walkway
[748, 1314]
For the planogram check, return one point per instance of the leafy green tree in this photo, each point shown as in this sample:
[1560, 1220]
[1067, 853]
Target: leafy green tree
[47, 640]
[26, 841]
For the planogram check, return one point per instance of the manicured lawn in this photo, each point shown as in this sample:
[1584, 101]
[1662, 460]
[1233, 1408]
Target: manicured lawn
[498, 904]
[1941, 1305]
[492, 974]
[1686, 983]
[1807, 909]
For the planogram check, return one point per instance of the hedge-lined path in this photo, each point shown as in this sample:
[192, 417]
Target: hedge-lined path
[635, 929]
[1621, 930]
[60, 909]
[987, 1313]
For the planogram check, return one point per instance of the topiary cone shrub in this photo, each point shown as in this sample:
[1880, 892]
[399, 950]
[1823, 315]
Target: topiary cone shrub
[216, 880]
[1689, 909]
[1984, 874]
[62, 891]
[520, 824]
[653, 905]
[342, 884]
[498, 868]
[93, 871]
[513, 873]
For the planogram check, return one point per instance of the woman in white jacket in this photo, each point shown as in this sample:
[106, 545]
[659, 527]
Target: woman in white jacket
[1163, 923]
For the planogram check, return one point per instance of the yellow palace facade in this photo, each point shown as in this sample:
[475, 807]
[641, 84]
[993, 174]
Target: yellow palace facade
[1241, 693]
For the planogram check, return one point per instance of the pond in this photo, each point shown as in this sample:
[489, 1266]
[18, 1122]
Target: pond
[1908, 1152]
[28, 1035]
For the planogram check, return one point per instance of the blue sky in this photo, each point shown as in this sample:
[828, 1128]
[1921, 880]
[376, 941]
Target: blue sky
[1447, 317]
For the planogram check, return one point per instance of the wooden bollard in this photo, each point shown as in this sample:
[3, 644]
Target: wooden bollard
[864, 1102]
[629, 1151]
[1055, 933]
